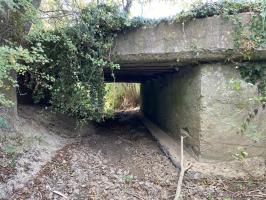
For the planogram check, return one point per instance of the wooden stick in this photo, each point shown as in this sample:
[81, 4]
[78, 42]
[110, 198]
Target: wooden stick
[60, 194]
[182, 171]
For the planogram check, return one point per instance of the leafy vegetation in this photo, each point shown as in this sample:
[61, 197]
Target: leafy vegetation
[73, 79]
[3, 123]
[10, 63]
[222, 7]
[255, 73]
[16, 19]
[122, 96]
[14, 16]
[64, 65]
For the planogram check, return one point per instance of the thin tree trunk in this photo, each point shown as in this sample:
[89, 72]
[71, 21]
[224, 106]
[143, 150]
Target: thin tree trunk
[11, 31]
[128, 6]
[27, 26]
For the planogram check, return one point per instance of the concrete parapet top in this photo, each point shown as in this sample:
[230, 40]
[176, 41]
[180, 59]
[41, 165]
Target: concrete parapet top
[167, 46]
[209, 38]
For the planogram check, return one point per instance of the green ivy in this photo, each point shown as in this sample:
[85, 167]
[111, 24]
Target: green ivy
[224, 8]
[14, 17]
[63, 66]
[73, 80]
[14, 60]
[255, 73]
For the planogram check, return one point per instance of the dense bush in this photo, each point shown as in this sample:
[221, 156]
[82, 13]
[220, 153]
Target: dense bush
[77, 54]
[63, 66]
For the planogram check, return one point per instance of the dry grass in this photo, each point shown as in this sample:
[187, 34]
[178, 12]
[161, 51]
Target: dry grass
[122, 96]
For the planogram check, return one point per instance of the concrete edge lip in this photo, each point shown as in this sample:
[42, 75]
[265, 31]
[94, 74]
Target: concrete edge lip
[226, 169]
[205, 39]
[184, 58]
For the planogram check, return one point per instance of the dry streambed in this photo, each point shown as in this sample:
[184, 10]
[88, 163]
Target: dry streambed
[117, 160]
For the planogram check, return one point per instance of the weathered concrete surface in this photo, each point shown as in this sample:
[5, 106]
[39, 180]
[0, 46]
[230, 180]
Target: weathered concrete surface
[203, 169]
[225, 108]
[165, 46]
[205, 39]
[206, 103]
[173, 103]
[183, 94]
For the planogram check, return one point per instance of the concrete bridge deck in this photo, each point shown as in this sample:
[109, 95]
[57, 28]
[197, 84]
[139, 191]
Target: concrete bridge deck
[163, 48]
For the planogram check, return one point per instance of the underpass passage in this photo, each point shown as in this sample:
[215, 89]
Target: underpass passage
[131, 73]
[202, 102]
[187, 87]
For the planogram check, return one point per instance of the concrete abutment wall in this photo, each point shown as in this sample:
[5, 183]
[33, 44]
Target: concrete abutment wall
[172, 102]
[210, 103]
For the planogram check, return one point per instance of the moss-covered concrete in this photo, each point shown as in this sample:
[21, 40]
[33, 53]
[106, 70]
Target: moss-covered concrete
[228, 103]
[199, 40]
[159, 48]
[173, 102]
[210, 103]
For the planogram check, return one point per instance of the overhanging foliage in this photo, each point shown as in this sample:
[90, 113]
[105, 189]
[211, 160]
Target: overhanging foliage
[73, 77]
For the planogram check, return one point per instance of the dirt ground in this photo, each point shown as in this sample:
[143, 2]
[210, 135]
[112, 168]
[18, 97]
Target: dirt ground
[115, 160]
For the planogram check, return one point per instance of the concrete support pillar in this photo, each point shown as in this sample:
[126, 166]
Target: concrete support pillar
[211, 104]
